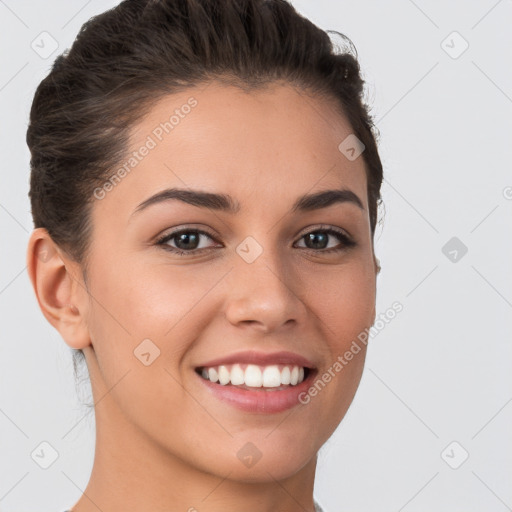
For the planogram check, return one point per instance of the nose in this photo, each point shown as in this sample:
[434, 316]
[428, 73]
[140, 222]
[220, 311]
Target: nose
[264, 294]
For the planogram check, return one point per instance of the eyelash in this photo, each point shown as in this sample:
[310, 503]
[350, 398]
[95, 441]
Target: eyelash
[346, 242]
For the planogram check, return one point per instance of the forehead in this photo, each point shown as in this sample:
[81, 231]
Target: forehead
[274, 142]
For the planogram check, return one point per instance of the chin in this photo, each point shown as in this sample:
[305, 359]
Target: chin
[267, 455]
[279, 466]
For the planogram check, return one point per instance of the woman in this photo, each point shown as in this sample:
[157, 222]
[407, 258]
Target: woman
[205, 185]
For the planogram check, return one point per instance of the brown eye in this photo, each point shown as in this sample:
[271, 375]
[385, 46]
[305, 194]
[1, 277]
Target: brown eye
[185, 241]
[318, 240]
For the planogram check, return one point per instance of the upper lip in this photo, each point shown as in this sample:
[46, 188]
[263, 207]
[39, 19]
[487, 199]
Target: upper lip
[260, 358]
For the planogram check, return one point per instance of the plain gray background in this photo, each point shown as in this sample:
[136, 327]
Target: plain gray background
[437, 386]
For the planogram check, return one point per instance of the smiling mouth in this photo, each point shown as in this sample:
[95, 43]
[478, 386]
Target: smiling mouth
[253, 377]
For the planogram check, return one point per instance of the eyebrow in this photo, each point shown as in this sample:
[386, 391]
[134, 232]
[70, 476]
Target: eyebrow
[225, 203]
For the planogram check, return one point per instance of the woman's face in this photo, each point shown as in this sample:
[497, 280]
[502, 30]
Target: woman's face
[259, 287]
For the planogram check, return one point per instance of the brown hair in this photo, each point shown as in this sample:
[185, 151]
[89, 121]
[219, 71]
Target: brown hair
[128, 57]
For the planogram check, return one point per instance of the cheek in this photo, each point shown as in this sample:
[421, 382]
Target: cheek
[136, 303]
[152, 300]
[344, 303]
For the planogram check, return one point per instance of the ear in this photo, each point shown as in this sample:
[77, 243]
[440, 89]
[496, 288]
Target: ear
[377, 270]
[377, 264]
[59, 288]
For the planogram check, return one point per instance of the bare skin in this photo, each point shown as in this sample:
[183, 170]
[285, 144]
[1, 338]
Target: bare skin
[163, 442]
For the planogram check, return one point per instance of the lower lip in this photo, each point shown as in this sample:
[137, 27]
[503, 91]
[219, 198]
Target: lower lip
[260, 400]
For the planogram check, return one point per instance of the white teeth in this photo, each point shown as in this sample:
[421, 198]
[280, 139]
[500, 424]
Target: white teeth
[213, 375]
[237, 375]
[255, 376]
[224, 376]
[294, 377]
[271, 377]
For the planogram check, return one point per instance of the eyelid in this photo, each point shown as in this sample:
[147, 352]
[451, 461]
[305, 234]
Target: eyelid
[325, 227]
[168, 236]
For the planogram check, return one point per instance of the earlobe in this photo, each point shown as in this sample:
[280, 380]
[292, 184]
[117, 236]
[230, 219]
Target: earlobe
[377, 264]
[61, 297]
